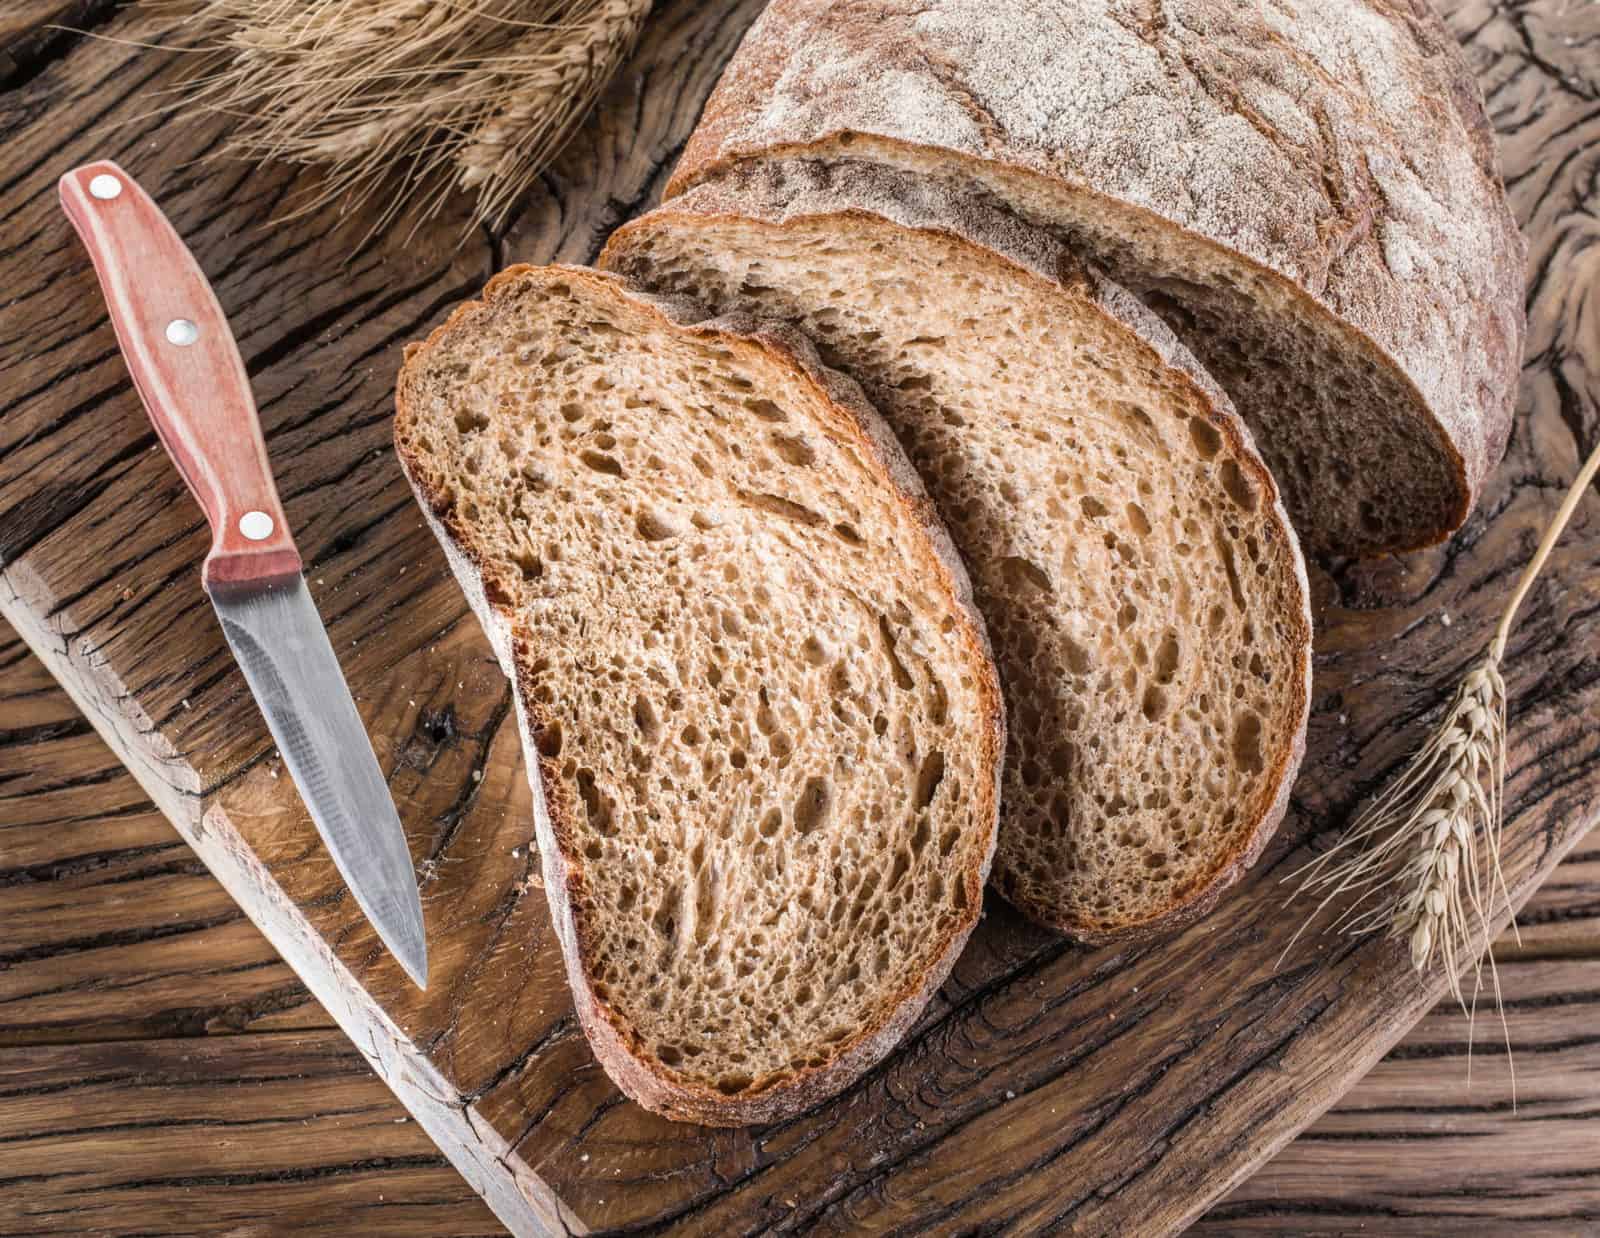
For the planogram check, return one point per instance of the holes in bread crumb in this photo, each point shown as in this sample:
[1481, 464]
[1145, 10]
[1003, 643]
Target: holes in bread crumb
[601, 463]
[848, 535]
[766, 410]
[1225, 552]
[1154, 703]
[771, 822]
[596, 804]
[1024, 572]
[701, 464]
[902, 677]
[645, 720]
[1247, 743]
[653, 526]
[665, 921]
[1138, 521]
[571, 413]
[1206, 437]
[1167, 658]
[547, 739]
[794, 449]
[1127, 614]
[1092, 506]
[811, 809]
[777, 505]
[1237, 486]
[529, 564]
[669, 1055]
[928, 779]
[470, 420]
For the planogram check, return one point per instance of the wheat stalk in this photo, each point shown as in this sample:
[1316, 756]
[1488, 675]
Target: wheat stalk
[409, 98]
[1423, 858]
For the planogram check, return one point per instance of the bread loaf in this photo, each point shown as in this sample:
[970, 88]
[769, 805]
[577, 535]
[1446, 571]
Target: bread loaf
[1140, 579]
[762, 726]
[1307, 192]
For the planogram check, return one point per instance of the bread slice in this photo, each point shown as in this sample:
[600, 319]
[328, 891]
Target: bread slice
[1141, 582]
[1307, 193]
[762, 725]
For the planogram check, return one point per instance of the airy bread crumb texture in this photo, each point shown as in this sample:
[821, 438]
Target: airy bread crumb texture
[767, 727]
[1142, 588]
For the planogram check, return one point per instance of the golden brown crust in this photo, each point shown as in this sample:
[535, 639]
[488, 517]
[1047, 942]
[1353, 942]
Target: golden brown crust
[782, 195]
[613, 1041]
[1341, 154]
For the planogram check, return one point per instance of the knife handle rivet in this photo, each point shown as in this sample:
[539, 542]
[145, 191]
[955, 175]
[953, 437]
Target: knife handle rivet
[105, 186]
[182, 332]
[257, 526]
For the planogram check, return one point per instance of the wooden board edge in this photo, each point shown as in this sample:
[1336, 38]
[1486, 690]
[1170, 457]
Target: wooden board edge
[521, 1200]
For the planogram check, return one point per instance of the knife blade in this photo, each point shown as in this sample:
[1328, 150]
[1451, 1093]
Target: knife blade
[186, 367]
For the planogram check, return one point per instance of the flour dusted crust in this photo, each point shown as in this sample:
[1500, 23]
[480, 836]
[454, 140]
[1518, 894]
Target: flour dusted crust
[1338, 147]
[613, 1041]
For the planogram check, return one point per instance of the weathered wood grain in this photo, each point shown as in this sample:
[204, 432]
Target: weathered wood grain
[249, 1134]
[1047, 1086]
[1408, 1142]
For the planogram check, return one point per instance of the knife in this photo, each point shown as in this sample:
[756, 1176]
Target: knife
[186, 366]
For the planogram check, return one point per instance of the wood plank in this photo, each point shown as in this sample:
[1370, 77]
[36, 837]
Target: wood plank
[1046, 1085]
[1410, 1142]
[246, 1135]
[114, 929]
[1414, 1147]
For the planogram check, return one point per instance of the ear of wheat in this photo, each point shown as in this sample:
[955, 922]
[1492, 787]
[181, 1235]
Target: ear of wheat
[411, 99]
[1422, 860]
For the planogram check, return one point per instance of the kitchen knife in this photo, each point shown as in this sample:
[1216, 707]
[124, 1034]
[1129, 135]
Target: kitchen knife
[186, 366]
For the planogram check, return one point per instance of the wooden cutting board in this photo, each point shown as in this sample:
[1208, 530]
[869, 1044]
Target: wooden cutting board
[1047, 1086]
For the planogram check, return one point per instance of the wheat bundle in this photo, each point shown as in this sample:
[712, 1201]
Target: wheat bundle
[415, 98]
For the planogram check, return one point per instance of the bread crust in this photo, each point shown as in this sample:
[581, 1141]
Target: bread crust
[613, 1043]
[780, 195]
[1340, 153]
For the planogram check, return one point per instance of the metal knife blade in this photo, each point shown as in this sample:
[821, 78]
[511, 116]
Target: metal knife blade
[283, 649]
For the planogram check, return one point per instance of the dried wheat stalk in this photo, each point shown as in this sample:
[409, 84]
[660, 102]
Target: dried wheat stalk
[1423, 858]
[407, 98]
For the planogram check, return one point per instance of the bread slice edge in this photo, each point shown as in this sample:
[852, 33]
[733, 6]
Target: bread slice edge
[1037, 256]
[608, 1034]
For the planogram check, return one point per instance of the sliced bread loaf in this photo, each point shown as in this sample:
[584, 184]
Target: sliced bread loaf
[1308, 193]
[762, 726]
[1140, 579]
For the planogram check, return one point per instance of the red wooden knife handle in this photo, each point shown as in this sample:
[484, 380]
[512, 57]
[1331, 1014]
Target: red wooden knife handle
[185, 363]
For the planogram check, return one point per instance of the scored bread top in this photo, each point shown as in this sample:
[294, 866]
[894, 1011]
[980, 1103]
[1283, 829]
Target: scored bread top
[1143, 588]
[763, 729]
[1331, 160]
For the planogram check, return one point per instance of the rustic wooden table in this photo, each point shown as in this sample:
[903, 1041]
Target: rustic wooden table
[162, 1071]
